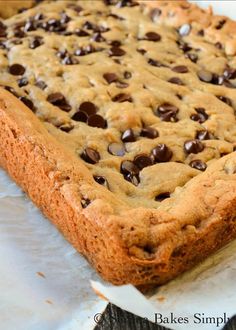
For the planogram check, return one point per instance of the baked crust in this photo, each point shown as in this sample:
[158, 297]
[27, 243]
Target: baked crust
[143, 246]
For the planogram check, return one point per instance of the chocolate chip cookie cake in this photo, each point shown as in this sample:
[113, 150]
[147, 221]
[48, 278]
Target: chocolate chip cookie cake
[117, 118]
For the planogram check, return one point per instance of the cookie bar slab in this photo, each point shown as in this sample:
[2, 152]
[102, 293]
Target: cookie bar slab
[127, 141]
[140, 246]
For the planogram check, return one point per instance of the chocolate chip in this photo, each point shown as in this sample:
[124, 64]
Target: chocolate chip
[128, 136]
[69, 60]
[184, 30]
[230, 73]
[225, 100]
[134, 179]
[167, 112]
[81, 33]
[220, 24]
[116, 149]
[116, 43]
[86, 50]
[85, 202]
[11, 90]
[201, 116]
[161, 197]
[127, 75]
[192, 57]
[203, 135]
[180, 69]
[101, 180]
[176, 81]
[97, 37]
[162, 153]
[155, 63]
[27, 102]
[205, 76]
[80, 116]
[41, 84]
[65, 18]
[201, 33]
[110, 77]
[116, 51]
[155, 13]
[198, 164]
[141, 51]
[149, 132]
[219, 45]
[88, 107]
[35, 42]
[128, 167]
[122, 98]
[183, 46]
[90, 156]
[97, 121]
[30, 25]
[59, 100]
[193, 146]
[22, 82]
[152, 36]
[142, 161]
[16, 69]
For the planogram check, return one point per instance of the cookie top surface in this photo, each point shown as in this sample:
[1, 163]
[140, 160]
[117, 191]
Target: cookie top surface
[144, 97]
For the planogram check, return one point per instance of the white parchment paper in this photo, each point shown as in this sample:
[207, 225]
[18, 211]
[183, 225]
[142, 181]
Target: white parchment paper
[44, 282]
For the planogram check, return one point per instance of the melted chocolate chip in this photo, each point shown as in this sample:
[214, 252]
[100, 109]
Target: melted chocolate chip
[41, 84]
[152, 36]
[101, 180]
[161, 153]
[22, 82]
[133, 178]
[69, 60]
[110, 77]
[116, 51]
[116, 149]
[203, 135]
[225, 100]
[193, 146]
[149, 132]
[128, 136]
[35, 42]
[127, 75]
[122, 98]
[121, 84]
[81, 33]
[66, 128]
[180, 69]
[176, 81]
[205, 76]
[16, 69]
[90, 156]
[198, 165]
[27, 102]
[155, 63]
[192, 57]
[161, 197]
[167, 112]
[88, 107]
[128, 167]
[184, 30]
[201, 116]
[183, 46]
[141, 51]
[230, 73]
[220, 24]
[59, 100]
[11, 90]
[142, 161]
[97, 121]
[80, 116]
[97, 37]
[85, 202]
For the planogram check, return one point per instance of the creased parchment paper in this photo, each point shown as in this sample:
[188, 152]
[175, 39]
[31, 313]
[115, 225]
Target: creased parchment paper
[44, 282]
